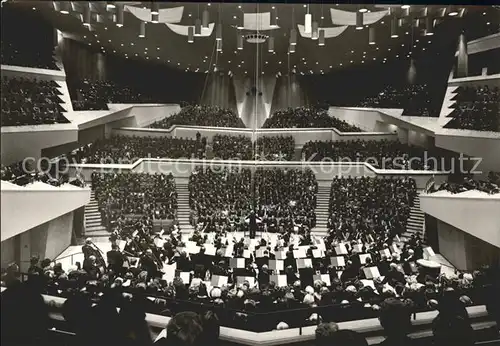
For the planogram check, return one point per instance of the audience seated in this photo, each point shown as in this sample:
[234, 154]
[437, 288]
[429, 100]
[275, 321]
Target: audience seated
[279, 148]
[415, 99]
[286, 198]
[383, 154]
[95, 95]
[328, 334]
[476, 108]
[122, 195]
[232, 147]
[304, 117]
[30, 102]
[220, 200]
[125, 149]
[201, 115]
[363, 207]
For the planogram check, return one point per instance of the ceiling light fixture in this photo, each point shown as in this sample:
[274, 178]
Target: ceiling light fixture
[241, 22]
[321, 41]
[308, 23]
[64, 7]
[110, 4]
[219, 46]
[197, 27]
[270, 44]
[218, 32]
[429, 26]
[452, 11]
[239, 41]
[291, 49]
[87, 17]
[315, 28]
[119, 16]
[394, 29]
[293, 37]
[371, 35]
[205, 19]
[142, 30]
[155, 7]
[359, 20]
[363, 9]
[190, 34]
[155, 18]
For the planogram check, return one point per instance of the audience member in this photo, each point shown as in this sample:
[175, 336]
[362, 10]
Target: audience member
[184, 329]
[325, 334]
[452, 330]
[395, 319]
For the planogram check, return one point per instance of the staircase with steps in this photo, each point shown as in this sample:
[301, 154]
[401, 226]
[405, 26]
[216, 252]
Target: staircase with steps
[183, 209]
[93, 223]
[416, 222]
[322, 204]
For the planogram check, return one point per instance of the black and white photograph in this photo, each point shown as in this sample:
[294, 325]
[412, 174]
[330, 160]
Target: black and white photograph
[250, 173]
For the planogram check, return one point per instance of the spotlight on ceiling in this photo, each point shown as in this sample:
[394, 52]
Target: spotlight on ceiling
[363, 9]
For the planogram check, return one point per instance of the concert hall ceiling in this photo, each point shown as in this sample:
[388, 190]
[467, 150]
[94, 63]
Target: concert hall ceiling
[233, 37]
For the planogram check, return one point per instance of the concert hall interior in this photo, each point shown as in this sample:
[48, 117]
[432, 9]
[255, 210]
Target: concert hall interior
[242, 173]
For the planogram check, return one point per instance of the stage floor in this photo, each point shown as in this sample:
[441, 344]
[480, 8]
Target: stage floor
[74, 254]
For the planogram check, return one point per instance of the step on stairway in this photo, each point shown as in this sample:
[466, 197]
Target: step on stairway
[93, 223]
[416, 222]
[322, 211]
[183, 209]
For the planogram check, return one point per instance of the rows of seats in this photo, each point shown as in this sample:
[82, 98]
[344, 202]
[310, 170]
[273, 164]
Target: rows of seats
[124, 196]
[385, 154]
[286, 198]
[362, 207]
[232, 147]
[277, 148]
[306, 117]
[475, 108]
[220, 200]
[201, 115]
[125, 149]
[414, 99]
[96, 94]
[30, 102]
